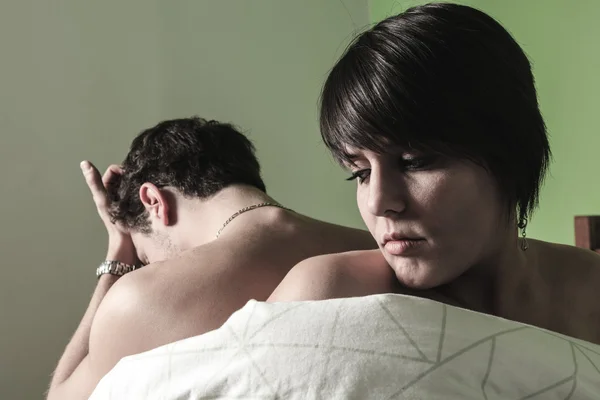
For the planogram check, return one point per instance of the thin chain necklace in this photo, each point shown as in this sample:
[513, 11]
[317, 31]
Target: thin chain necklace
[249, 208]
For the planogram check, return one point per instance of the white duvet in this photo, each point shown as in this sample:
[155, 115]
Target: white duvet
[376, 347]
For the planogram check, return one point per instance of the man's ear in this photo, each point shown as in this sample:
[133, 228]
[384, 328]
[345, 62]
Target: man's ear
[155, 202]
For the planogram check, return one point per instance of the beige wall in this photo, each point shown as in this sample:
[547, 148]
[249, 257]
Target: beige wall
[263, 63]
[80, 79]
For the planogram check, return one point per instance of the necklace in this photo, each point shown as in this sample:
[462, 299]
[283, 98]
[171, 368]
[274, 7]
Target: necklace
[249, 208]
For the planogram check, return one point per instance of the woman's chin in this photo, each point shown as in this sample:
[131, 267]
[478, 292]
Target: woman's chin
[416, 276]
[417, 285]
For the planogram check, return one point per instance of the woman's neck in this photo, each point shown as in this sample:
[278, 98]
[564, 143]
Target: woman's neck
[497, 285]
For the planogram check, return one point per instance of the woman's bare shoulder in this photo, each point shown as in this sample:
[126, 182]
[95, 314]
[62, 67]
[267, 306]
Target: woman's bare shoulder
[349, 274]
[560, 254]
[569, 265]
[572, 275]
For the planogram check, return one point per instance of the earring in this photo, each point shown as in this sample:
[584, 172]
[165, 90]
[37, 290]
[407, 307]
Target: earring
[523, 227]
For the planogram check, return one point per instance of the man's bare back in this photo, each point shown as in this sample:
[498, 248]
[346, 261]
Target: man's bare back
[199, 289]
[189, 203]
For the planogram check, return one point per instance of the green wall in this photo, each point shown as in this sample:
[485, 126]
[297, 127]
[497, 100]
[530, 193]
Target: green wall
[80, 79]
[561, 39]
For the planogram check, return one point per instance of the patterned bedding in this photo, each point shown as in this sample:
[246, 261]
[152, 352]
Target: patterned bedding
[376, 347]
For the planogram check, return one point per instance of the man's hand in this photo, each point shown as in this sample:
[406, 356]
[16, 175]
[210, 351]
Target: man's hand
[77, 372]
[120, 245]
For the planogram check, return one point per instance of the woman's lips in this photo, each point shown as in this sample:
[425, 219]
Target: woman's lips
[402, 247]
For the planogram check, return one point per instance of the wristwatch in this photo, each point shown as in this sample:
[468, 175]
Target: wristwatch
[114, 268]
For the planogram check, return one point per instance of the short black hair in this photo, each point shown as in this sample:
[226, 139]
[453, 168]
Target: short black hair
[443, 78]
[195, 156]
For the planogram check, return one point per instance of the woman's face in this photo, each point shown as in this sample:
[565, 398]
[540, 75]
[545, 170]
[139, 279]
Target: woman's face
[433, 217]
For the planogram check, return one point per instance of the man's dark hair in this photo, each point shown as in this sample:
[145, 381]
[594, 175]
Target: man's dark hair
[194, 156]
[442, 78]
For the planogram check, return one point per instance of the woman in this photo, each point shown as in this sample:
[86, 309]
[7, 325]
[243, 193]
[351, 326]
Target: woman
[434, 112]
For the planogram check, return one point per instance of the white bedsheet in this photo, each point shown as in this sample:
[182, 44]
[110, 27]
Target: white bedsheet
[376, 347]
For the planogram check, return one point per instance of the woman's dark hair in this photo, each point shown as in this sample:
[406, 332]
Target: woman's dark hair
[441, 78]
[194, 156]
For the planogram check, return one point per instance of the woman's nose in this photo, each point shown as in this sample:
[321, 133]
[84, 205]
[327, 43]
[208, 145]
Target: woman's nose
[387, 193]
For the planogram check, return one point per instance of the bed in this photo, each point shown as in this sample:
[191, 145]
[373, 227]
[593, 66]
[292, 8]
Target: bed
[587, 232]
[377, 347]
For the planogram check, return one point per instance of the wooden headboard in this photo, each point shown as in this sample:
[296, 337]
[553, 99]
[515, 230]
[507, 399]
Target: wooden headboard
[587, 232]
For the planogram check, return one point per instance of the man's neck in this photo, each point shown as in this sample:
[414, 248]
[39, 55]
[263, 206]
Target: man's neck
[202, 219]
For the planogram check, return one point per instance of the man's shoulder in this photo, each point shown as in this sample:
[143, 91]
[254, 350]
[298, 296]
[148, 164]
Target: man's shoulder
[132, 287]
[123, 299]
[118, 327]
[136, 300]
[141, 311]
[342, 262]
[348, 274]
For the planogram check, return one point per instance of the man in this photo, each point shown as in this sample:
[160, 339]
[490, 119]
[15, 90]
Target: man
[188, 203]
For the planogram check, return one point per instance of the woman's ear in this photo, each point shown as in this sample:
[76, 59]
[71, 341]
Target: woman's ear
[155, 202]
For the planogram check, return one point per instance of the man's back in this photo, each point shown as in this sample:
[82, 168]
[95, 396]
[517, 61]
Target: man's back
[189, 202]
[198, 290]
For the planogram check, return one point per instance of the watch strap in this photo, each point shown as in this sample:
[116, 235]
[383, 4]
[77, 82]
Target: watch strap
[114, 268]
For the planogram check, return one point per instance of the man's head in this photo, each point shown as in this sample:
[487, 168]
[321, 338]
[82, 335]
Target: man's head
[190, 158]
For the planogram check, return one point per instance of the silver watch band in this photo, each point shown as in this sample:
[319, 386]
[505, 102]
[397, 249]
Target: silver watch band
[114, 268]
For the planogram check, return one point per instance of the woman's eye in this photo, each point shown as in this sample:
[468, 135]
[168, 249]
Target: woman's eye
[416, 163]
[361, 175]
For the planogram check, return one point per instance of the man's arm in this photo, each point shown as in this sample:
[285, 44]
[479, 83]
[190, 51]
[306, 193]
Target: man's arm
[116, 331]
[78, 348]
[75, 360]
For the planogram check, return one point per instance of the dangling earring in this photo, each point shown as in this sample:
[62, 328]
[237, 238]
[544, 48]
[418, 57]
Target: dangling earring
[523, 227]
